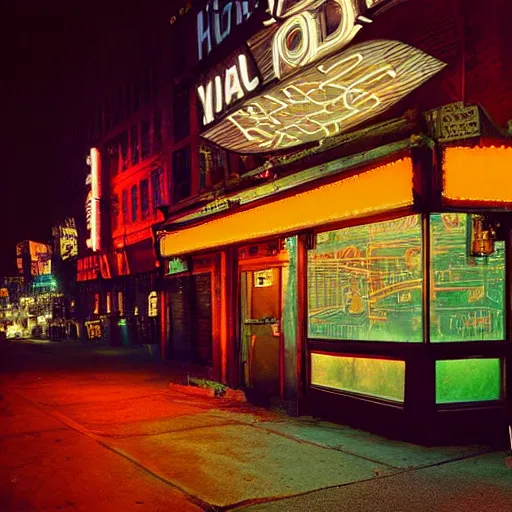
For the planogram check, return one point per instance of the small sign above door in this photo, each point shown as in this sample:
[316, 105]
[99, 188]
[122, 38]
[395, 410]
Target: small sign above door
[263, 278]
[176, 266]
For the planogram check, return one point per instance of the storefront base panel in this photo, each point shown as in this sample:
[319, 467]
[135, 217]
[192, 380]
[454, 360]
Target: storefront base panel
[479, 425]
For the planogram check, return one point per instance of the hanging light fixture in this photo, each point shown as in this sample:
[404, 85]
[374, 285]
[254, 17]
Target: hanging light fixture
[483, 236]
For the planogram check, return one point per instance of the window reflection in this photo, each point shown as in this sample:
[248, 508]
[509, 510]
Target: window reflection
[467, 293]
[365, 282]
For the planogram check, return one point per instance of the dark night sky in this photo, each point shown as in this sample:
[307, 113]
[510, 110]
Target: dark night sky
[44, 46]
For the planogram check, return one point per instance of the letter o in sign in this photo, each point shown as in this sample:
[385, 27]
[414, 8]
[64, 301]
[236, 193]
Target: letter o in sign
[295, 42]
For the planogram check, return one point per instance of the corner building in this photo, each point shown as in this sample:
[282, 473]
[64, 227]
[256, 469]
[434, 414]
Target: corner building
[337, 236]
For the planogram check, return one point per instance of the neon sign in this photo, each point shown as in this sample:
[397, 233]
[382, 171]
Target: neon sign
[215, 22]
[343, 91]
[93, 213]
[176, 266]
[308, 35]
[233, 86]
[337, 89]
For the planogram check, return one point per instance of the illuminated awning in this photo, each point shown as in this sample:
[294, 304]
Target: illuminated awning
[383, 188]
[478, 175]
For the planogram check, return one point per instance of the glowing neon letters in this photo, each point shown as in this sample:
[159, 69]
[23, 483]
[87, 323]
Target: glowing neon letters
[233, 86]
[215, 22]
[343, 91]
[338, 88]
[304, 38]
[93, 201]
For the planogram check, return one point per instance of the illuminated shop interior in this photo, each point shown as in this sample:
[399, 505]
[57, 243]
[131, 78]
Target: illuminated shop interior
[366, 283]
[401, 312]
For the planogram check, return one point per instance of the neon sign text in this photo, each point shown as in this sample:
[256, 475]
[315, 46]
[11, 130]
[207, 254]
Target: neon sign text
[226, 90]
[215, 23]
[93, 201]
[304, 37]
[308, 30]
[343, 91]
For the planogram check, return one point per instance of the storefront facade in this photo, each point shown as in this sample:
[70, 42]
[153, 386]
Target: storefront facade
[362, 273]
[376, 298]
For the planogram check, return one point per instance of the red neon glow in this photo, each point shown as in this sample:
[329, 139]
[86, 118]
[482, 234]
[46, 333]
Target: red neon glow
[95, 200]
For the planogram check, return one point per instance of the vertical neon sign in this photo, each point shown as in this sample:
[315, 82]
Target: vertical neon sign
[94, 241]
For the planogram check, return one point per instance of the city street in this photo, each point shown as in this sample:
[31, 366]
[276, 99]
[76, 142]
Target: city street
[97, 428]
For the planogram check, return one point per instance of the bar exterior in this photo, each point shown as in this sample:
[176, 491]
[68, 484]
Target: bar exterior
[361, 272]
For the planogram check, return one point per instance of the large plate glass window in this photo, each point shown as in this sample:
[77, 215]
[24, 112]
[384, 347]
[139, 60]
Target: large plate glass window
[365, 282]
[467, 292]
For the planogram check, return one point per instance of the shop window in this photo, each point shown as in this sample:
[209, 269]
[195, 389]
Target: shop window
[365, 282]
[134, 144]
[213, 166]
[181, 114]
[96, 310]
[144, 132]
[157, 132]
[144, 198]
[181, 174]
[467, 295]
[380, 378]
[134, 202]
[468, 380]
[124, 206]
[157, 184]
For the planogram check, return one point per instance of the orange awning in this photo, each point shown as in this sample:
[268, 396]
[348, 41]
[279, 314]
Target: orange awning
[383, 188]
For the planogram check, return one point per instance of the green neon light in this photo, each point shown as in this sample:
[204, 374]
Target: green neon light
[379, 378]
[176, 266]
[468, 380]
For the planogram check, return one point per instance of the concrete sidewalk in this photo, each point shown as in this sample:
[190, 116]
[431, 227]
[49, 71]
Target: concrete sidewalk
[222, 453]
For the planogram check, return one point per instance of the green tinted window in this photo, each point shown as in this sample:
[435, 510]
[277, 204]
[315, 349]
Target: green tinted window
[381, 378]
[466, 293]
[365, 282]
[467, 380]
